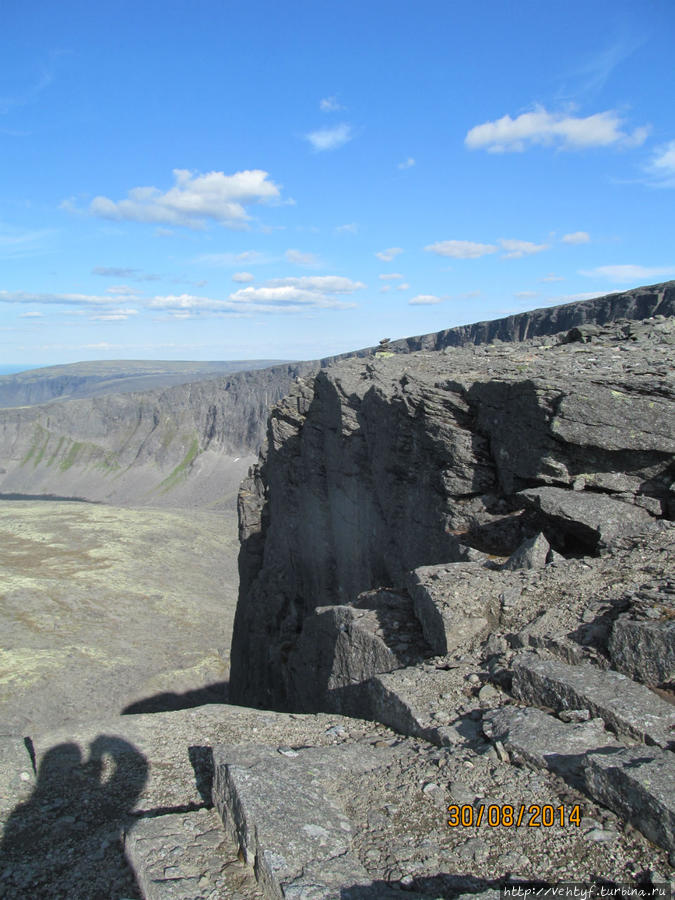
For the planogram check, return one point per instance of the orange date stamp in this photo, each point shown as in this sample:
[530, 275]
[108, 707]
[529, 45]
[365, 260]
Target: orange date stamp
[506, 816]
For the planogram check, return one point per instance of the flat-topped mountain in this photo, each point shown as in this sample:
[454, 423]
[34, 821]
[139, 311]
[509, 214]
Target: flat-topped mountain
[89, 379]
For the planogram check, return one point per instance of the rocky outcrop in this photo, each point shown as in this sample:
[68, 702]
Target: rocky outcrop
[515, 503]
[374, 469]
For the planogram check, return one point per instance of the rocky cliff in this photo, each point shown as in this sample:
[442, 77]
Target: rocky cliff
[474, 546]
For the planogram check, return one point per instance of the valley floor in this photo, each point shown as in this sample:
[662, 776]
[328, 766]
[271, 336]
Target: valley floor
[105, 608]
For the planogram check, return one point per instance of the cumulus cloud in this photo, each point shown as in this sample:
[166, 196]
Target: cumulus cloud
[576, 237]
[543, 128]
[330, 104]
[662, 165]
[390, 276]
[301, 259]
[349, 228]
[389, 254]
[629, 273]
[243, 277]
[407, 164]
[515, 249]
[425, 300]
[330, 138]
[403, 287]
[193, 200]
[280, 295]
[461, 249]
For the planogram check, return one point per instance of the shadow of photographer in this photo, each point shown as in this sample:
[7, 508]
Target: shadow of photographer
[67, 839]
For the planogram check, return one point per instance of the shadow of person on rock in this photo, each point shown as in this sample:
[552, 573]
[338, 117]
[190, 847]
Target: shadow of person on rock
[66, 841]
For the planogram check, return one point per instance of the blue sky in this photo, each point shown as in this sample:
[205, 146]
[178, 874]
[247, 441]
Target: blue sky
[230, 180]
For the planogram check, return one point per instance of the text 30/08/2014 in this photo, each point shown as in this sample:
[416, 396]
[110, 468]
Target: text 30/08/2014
[496, 816]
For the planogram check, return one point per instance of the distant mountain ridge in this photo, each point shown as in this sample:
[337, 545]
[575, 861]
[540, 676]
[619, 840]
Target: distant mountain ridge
[96, 377]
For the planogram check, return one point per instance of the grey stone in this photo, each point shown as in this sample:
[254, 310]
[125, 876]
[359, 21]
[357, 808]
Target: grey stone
[277, 810]
[629, 708]
[454, 603]
[532, 554]
[546, 743]
[188, 856]
[644, 650]
[592, 518]
[17, 778]
[639, 785]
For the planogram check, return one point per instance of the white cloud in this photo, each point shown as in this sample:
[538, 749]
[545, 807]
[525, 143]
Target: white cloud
[629, 273]
[461, 249]
[425, 300]
[576, 237]
[385, 288]
[115, 315]
[552, 277]
[390, 276]
[281, 295]
[243, 277]
[332, 284]
[330, 138]
[330, 104]
[302, 259]
[543, 128]
[31, 315]
[662, 165]
[193, 199]
[389, 254]
[515, 249]
[350, 228]
[118, 272]
[248, 257]
[121, 290]
[403, 287]
[56, 299]
[526, 295]
[407, 164]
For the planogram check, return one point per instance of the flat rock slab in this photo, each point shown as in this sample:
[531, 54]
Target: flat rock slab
[629, 708]
[595, 519]
[639, 785]
[422, 702]
[188, 856]
[276, 804]
[546, 742]
[455, 603]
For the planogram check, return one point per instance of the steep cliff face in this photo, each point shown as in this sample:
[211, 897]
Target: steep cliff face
[375, 468]
[172, 446]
